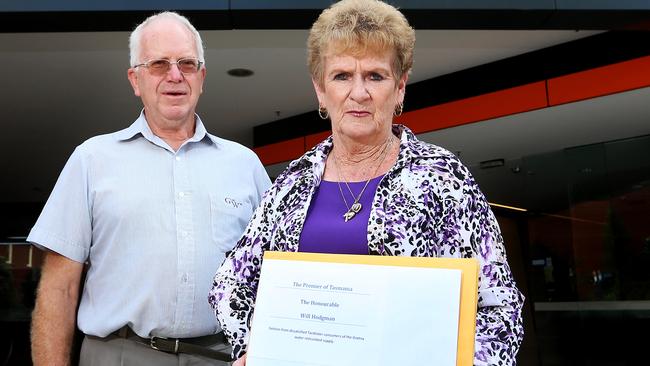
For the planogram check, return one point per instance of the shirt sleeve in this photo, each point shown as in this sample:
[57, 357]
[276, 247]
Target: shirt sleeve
[64, 225]
[262, 181]
[234, 288]
[472, 224]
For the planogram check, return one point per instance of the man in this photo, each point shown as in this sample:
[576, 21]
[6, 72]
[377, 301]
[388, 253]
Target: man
[151, 209]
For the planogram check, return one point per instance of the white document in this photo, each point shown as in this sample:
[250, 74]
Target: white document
[321, 313]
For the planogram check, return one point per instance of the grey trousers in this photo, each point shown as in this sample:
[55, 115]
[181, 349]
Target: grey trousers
[116, 351]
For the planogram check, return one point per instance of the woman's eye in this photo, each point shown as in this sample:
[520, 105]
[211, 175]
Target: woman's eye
[341, 76]
[376, 77]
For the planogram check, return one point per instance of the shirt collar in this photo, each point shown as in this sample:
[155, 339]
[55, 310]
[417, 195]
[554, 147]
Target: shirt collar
[140, 126]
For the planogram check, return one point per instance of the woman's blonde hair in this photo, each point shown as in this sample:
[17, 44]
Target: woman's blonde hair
[360, 27]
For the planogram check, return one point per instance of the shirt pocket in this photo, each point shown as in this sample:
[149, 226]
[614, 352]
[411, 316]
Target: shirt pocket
[229, 217]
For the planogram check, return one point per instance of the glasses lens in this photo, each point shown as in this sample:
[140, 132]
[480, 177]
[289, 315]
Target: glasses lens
[188, 65]
[159, 66]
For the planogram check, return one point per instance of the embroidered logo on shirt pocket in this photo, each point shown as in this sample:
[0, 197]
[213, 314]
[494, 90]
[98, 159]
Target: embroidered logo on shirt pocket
[232, 202]
[229, 217]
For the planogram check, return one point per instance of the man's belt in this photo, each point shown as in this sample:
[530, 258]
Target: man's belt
[192, 346]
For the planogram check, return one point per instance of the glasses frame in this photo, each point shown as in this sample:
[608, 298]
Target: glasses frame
[148, 64]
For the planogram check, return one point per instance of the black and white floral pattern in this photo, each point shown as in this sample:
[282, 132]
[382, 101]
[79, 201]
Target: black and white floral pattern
[427, 205]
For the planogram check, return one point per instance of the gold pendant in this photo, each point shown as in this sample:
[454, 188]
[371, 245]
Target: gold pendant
[349, 215]
[356, 207]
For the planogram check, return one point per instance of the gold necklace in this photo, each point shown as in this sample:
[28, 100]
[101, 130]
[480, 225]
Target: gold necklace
[356, 205]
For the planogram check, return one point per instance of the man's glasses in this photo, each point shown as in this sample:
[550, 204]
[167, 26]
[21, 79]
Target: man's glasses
[162, 66]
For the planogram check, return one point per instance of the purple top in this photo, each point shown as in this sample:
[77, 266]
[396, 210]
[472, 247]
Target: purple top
[325, 229]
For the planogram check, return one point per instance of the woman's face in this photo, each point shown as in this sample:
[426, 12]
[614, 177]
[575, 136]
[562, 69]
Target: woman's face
[360, 94]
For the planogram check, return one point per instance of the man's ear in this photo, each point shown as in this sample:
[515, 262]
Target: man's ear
[133, 79]
[203, 72]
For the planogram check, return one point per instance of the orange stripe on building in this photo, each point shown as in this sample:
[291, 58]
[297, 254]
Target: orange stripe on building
[313, 139]
[483, 107]
[610, 79]
[281, 151]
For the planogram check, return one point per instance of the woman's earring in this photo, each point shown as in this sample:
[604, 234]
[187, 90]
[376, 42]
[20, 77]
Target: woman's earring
[322, 113]
[399, 108]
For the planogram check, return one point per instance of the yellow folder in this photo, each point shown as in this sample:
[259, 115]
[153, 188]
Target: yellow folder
[468, 289]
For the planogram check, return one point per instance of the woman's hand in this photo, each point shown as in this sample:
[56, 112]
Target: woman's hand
[240, 361]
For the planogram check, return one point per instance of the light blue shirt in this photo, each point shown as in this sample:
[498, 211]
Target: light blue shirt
[153, 225]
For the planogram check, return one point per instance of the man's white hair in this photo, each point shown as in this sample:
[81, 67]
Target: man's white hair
[135, 39]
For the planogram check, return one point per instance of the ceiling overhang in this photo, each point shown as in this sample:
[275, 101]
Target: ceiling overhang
[84, 16]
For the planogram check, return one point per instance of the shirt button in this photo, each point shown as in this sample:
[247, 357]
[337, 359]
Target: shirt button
[178, 158]
[181, 194]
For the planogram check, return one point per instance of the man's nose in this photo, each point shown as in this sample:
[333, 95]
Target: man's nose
[174, 73]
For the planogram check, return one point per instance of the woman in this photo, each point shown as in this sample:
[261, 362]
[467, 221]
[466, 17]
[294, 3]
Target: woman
[372, 185]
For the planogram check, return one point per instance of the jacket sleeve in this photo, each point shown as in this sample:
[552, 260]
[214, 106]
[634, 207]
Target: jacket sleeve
[234, 288]
[470, 225]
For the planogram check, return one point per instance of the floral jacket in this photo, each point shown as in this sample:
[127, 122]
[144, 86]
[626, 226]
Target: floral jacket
[427, 205]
